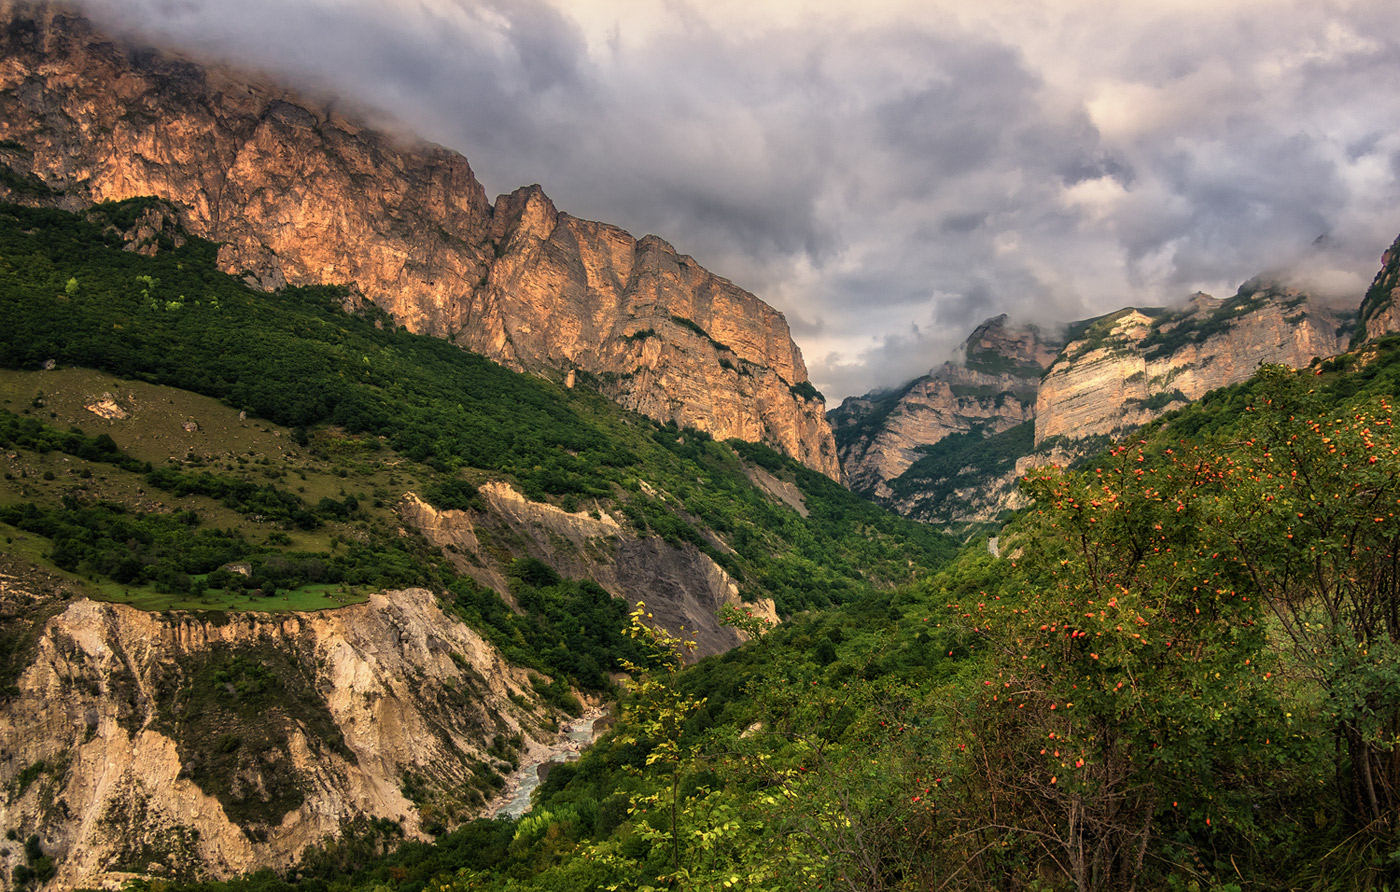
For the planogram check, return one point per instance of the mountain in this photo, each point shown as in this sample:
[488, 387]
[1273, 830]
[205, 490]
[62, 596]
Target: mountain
[989, 388]
[272, 570]
[302, 193]
[1380, 310]
[1185, 649]
[948, 448]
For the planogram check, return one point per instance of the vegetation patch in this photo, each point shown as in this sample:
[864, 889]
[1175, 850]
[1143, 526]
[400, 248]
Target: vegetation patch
[959, 461]
[148, 841]
[55, 768]
[1157, 401]
[231, 712]
[37, 866]
[861, 423]
[454, 495]
[1092, 334]
[1381, 295]
[991, 362]
[25, 184]
[23, 615]
[695, 328]
[805, 390]
[980, 391]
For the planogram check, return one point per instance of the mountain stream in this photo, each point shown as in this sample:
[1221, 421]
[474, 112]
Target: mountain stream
[514, 800]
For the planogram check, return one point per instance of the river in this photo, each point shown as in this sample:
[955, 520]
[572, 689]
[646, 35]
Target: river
[514, 800]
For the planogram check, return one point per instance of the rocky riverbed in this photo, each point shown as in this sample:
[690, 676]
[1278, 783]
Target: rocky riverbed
[514, 800]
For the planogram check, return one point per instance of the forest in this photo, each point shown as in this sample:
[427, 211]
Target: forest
[1180, 674]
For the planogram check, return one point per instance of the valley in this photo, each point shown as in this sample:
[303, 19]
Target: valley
[276, 512]
[339, 500]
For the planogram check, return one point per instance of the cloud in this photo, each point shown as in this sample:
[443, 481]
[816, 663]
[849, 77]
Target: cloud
[892, 173]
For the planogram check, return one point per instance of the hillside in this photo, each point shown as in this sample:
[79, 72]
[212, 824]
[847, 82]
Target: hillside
[177, 441]
[1378, 314]
[299, 192]
[1179, 677]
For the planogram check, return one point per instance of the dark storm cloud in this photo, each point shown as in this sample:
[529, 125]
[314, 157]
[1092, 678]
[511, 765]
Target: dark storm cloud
[891, 174]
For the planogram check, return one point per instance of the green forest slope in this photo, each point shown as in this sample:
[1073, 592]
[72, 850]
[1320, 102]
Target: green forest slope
[312, 424]
[1181, 675]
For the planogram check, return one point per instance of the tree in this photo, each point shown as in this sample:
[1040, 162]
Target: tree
[1312, 524]
[655, 716]
[1127, 687]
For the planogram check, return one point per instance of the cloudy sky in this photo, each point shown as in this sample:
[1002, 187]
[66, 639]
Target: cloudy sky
[890, 173]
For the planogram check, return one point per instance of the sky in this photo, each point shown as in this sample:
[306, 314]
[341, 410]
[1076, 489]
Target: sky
[888, 174]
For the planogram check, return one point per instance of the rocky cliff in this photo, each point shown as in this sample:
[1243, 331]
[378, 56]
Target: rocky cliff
[1122, 370]
[683, 588]
[179, 745]
[1380, 310]
[988, 388]
[301, 192]
[948, 448]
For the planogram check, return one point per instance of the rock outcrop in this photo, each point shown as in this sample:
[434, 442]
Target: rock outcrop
[300, 192]
[1116, 373]
[1380, 310]
[989, 388]
[183, 745]
[1124, 369]
[682, 586]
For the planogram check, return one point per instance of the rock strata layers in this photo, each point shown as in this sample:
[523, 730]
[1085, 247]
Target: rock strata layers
[181, 745]
[990, 387]
[1127, 368]
[300, 192]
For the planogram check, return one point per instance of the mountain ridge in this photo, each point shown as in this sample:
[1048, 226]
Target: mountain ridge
[300, 193]
[228, 459]
[1095, 380]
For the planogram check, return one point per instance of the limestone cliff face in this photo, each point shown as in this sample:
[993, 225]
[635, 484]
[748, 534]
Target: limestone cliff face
[181, 745]
[681, 585]
[1380, 310]
[300, 192]
[989, 388]
[1127, 368]
[664, 336]
[1116, 372]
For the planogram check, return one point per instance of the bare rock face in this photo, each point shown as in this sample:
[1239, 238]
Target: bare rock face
[683, 587]
[990, 388]
[664, 336]
[1116, 373]
[181, 745]
[1380, 310]
[302, 193]
[1127, 368]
